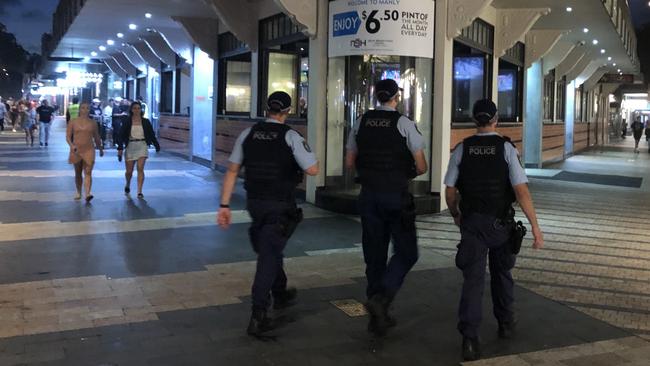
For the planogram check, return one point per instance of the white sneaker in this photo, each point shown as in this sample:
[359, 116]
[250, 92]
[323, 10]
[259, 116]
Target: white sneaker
[77, 196]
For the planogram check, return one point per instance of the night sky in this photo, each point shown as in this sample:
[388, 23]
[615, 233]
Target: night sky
[640, 12]
[28, 20]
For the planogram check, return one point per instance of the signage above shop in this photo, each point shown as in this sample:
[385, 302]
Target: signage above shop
[616, 78]
[381, 27]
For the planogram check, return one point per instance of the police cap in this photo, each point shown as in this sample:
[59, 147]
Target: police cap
[484, 111]
[278, 102]
[386, 89]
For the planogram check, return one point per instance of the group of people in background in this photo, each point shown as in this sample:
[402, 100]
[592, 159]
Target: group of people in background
[28, 116]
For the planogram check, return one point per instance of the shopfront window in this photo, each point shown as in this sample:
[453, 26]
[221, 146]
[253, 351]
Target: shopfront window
[167, 92]
[351, 93]
[511, 84]
[472, 68]
[234, 92]
[283, 74]
[285, 63]
[561, 99]
[549, 96]
[237, 87]
[578, 104]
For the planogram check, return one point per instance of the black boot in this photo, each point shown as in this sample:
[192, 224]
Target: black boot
[380, 321]
[285, 299]
[259, 323]
[471, 349]
[507, 329]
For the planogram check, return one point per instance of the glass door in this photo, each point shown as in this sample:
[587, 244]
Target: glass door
[351, 93]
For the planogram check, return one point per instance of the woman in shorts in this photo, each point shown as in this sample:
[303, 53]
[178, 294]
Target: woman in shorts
[135, 138]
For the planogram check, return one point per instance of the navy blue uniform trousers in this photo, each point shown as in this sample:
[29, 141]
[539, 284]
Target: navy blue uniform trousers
[386, 216]
[484, 236]
[268, 240]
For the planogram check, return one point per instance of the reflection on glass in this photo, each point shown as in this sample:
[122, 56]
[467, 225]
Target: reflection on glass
[282, 75]
[469, 85]
[238, 86]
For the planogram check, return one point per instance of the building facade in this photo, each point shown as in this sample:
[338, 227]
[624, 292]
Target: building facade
[205, 68]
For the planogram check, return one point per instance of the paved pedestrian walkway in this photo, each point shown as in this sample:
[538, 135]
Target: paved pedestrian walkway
[124, 281]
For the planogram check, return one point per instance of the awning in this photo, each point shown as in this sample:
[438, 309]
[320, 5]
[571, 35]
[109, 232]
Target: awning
[125, 63]
[142, 48]
[115, 68]
[204, 32]
[161, 48]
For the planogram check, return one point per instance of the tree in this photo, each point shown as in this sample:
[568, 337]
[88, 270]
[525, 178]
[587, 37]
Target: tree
[16, 61]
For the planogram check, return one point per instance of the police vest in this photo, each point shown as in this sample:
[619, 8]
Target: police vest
[484, 177]
[384, 160]
[73, 109]
[271, 171]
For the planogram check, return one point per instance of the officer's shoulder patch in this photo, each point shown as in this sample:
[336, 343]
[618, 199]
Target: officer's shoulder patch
[306, 146]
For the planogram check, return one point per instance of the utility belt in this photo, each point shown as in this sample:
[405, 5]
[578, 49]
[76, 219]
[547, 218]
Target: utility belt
[286, 224]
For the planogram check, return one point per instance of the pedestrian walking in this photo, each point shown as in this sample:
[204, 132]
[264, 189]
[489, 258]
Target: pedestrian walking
[637, 131]
[136, 136]
[28, 121]
[484, 178]
[108, 115]
[45, 112]
[119, 113]
[3, 114]
[83, 138]
[274, 157]
[388, 152]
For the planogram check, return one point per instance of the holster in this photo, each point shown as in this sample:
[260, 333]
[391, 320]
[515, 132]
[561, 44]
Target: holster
[517, 237]
[289, 221]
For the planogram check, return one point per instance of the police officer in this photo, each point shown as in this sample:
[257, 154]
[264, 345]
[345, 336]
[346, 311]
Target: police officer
[387, 151]
[484, 179]
[274, 157]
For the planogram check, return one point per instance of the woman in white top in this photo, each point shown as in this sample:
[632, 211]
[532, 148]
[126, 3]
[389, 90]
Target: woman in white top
[135, 137]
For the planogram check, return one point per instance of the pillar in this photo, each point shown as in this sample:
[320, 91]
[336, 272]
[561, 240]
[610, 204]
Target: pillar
[533, 127]
[317, 111]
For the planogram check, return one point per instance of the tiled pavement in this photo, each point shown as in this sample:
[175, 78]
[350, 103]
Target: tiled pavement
[134, 282]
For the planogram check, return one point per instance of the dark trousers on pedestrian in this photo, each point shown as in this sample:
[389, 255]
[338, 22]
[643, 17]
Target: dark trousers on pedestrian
[116, 124]
[268, 240]
[386, 216]
[484, 236]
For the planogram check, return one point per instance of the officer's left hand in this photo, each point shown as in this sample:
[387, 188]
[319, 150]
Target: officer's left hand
[224, 218]
[538, 238]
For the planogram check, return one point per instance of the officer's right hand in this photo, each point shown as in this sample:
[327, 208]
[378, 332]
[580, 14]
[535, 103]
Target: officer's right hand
[457, 220]
[538, 238]
[224, 217]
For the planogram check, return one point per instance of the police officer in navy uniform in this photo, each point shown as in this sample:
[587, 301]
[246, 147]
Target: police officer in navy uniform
[274, 157]
[485, 177]
[388, 152]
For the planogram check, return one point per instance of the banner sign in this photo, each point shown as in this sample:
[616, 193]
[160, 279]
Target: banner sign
[381, 27]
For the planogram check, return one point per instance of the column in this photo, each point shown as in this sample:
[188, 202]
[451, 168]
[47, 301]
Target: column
[317, 112]
[533, 126]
